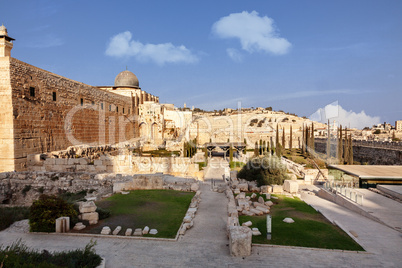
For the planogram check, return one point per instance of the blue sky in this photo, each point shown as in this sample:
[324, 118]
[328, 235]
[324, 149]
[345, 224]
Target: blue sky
[296, 56]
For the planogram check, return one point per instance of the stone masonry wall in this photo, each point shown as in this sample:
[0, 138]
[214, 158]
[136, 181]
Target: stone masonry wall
[22, 188]
[6, 117]
[36, 123]
[369, 155]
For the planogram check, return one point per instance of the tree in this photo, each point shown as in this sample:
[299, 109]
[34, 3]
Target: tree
[340, 151]
[277, 136]
[328, 141]
[256, 149]
[312, 145]
[346, 147]
[260, 148]
[350, 150]
[303, 144]
[290, 138]
[307, 139]
[283, 138]
[206, 153]
[231, 154]
[265, 170]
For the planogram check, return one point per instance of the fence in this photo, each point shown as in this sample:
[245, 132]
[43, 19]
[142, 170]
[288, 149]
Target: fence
[345, 191]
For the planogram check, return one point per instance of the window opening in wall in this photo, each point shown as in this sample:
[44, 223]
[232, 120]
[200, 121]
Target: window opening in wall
[32, 91]
[101, 105]
[82, 101]
[128, 111]
[117, 109]
[123, 110]
[110, 107]
[92, 102]
[54, 96]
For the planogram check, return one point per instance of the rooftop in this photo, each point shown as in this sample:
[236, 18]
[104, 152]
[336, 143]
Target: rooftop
[371, 171]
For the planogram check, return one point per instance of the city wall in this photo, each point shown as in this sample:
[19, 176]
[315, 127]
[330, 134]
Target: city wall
[371, 153]
[43, 112]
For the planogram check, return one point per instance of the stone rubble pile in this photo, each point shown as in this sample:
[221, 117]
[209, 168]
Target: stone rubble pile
[88, 212]
[188, 218]
[129, 231]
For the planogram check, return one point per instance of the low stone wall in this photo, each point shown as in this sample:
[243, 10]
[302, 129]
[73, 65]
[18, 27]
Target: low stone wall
[154, 181]
[22, 188]
[121, 162]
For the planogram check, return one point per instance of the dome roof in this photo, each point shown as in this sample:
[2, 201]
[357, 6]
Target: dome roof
[126, 78]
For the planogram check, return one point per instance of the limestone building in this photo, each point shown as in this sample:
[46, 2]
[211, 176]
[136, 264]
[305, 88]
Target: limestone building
[398, 125]
[42, 111]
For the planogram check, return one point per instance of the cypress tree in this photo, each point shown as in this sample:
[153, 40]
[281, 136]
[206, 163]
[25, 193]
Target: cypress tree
[231, 153]
[260, 148]
[290, 139]
[307, 139]
[302, 144]
[350, 150]
[346, 147]
[277, 136]
[256, 149]
[283, 139]
[328, 142]
[340, 152]
[312, 145]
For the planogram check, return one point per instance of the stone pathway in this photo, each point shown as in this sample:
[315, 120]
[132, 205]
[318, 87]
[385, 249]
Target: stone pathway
[205, 245]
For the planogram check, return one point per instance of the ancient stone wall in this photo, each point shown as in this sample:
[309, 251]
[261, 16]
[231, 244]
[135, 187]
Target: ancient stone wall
[50, 112]
[368, 154]
[22, 188]
[6, 117]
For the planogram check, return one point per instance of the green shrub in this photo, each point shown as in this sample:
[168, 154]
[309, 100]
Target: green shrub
[19, 255]
[265, 170]
[73, 197]
[103, 213]
[44, 212]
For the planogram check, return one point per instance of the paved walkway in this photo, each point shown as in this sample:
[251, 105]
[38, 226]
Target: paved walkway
[375, 237]
[205, 245]
[387, 210]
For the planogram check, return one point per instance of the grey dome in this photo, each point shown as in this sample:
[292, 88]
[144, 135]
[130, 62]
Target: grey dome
[126, 78]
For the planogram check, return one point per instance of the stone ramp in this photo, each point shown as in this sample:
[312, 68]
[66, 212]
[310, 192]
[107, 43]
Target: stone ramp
[373, 236]
[385, 209]
[216, 169]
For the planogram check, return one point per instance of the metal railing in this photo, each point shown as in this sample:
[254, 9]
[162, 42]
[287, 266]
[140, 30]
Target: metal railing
[345, 191]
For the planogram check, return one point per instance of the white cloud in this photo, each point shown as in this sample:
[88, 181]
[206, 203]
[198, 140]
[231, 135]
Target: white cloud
[352, 119]
[234, 54]
[254, 32]
[121, 45]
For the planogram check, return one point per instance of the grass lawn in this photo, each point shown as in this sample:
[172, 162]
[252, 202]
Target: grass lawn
[163, 210]
[310, 229]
